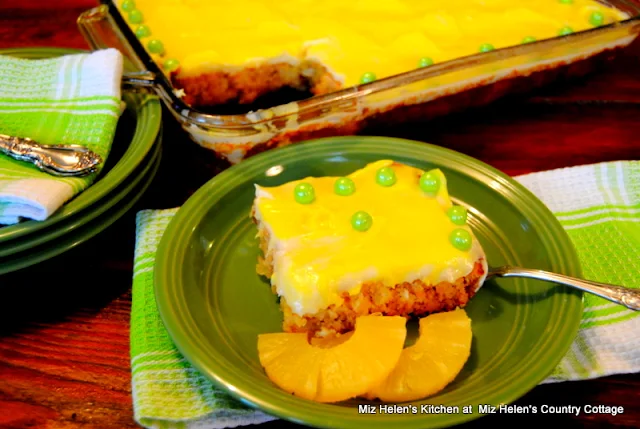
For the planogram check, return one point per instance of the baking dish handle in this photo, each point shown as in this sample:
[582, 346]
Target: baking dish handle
[100, 32]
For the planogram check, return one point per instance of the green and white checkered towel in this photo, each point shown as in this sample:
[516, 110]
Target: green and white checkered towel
[598, 205]
[72, 99]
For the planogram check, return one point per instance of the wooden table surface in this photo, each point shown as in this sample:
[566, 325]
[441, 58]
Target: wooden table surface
[64, 324]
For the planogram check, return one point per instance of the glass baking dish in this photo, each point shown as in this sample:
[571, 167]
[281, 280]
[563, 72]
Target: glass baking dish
[423, 93]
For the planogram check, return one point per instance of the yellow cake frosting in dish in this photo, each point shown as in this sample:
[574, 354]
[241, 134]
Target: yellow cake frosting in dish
[354, 41]
[386, 223]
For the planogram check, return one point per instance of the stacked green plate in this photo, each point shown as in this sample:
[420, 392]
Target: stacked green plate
[129, 170]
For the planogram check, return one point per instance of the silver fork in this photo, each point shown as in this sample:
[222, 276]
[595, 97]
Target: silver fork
[628, 297]
[58, 160]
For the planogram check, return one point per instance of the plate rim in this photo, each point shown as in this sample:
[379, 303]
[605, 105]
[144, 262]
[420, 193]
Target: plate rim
[147, 108]
[180, 227]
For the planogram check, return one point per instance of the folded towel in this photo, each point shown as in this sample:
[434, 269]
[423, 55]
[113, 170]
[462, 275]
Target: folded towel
[73, 99]
[598, 205]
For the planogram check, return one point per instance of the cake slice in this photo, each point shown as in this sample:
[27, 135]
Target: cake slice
[385, 239]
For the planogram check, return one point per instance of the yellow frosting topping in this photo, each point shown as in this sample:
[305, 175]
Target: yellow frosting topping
[318, 254]
[351, 38]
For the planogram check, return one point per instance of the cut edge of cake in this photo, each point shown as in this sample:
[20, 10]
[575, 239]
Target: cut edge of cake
[208, 86]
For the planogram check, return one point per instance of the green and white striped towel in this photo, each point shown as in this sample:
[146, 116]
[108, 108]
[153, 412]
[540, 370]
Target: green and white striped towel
[598, 205]
[72, 99]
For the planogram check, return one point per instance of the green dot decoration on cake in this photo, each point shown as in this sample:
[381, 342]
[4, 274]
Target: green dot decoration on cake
[596, 19]
[486, 47]
[460, 239]
[135, 16]
[386, 177]
[564, 31]
[171, 64]
[429, 183]
[425, 62]
[304, 193]
[143, 31]
[128, 5]
[344, 186]
[457, 214]
[368, 77]
[155, 46]
[361, 221]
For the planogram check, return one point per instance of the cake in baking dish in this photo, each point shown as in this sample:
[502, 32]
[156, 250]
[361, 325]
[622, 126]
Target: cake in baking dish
[385, 239]
[235, 51]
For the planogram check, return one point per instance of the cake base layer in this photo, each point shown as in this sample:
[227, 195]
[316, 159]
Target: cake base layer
[415, 299]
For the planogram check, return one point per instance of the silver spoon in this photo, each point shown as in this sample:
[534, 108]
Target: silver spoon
[628, 297]
[58, 160]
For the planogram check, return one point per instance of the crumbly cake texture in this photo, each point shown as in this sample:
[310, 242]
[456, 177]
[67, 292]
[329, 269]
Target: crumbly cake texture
[385, 239]
[237, 51]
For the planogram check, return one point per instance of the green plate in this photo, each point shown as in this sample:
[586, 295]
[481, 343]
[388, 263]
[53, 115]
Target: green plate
[214, 305]
[89, 230]
[74, 222]
[137, 131]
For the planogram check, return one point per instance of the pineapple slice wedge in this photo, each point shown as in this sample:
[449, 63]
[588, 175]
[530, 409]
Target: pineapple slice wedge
[334, 372]
[434, 361]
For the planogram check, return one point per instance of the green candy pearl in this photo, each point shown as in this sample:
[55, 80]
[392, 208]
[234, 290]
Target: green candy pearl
[596, 19]
[361, 221]
[155, 47]
[528, 39]
[429, 183]
[128, 5]
[458, 215]
[425, 62]
[143, 31]
[171, 64]
[368, 77]
[344, 186]
[386, 176]
[304, 193]
[486, 47]
[135, 16]
[460, 239]
[565, 31]
[566, 1]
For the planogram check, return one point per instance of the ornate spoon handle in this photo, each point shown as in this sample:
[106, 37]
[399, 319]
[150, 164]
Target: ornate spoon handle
[58, 160]
[628, 297]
